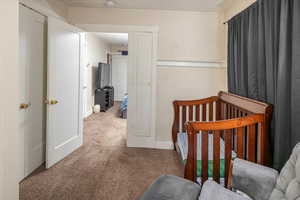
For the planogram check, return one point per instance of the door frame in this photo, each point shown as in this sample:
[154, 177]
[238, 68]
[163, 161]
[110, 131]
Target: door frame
[146, 142]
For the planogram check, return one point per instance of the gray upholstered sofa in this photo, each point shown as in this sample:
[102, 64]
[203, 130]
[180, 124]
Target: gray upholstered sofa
[258, 182]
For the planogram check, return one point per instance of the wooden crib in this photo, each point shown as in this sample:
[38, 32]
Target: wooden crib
[235, 125]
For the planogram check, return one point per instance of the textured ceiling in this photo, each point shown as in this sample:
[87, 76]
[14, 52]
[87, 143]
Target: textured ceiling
[188, 5]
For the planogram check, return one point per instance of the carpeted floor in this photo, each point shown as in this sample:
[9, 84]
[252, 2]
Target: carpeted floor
[103, 168]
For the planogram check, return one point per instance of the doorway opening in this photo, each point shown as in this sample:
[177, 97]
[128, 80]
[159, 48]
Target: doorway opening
[105, 93]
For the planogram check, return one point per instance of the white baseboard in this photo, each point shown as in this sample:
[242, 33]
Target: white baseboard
[164, 145]
[148, 143]
[88, 113]
[140, 142]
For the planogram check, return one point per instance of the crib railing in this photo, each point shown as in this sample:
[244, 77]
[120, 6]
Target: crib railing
[195, 110]
[244, 126]
[245, 135]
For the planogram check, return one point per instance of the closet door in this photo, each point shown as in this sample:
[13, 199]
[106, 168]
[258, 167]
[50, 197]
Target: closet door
[64, 91]
[119, 76]
[141, 89]
[32, 88]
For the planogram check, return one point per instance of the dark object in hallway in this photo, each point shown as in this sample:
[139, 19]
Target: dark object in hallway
[103, 168]
[105, 98]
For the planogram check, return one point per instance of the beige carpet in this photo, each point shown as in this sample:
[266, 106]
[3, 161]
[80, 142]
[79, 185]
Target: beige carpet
[103, 168]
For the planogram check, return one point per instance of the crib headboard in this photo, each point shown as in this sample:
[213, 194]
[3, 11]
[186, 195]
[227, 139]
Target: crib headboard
[245, 104]
[221, 107]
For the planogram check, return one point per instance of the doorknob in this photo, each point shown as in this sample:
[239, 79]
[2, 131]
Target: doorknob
[51, 102]
[24, 105]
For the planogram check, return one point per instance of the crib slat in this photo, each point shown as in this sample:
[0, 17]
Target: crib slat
[228, 111]
[204, 156]
[236, 112]
[221, 111]
[228, 145]
[204, 112]
[183, 118]
[262, 148]
[191, 113]
[240, 143]
[191, 163]
[225, 111]
[211, 111]
[216, 146]
[232, 112]
[251, 143]
[218, 110]
[176, 125]
[195, 156]
[240, 113]
[197, 112]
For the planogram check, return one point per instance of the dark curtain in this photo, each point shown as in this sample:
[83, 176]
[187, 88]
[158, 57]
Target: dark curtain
[264, 64]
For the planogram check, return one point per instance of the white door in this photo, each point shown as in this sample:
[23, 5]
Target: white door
[64, 109]
[85, 71]
[119, 75]
[141, 89]
[32, 87]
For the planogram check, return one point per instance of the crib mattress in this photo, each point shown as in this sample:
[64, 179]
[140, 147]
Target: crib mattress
[182, 142]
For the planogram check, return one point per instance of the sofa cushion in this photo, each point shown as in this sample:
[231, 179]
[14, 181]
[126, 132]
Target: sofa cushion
[214, 191]
[168, 187]
[288, 182]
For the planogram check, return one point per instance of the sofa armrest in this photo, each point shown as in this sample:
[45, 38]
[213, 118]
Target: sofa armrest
[255, 180]
[168, 187]
[214, 191]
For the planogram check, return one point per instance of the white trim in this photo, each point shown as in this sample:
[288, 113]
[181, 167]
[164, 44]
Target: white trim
[164, 145]
[108, 28]
[140, 142]
[88, 113]
[197, 64]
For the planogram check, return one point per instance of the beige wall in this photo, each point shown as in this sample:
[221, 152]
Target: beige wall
[97, 51]
[183, 36]
[9, 100]
[186, 36]
[175, 83]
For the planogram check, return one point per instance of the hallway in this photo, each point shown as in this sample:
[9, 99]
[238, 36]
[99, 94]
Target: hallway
[103, 168]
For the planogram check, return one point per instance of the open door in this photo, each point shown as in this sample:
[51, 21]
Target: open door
[64, 91]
